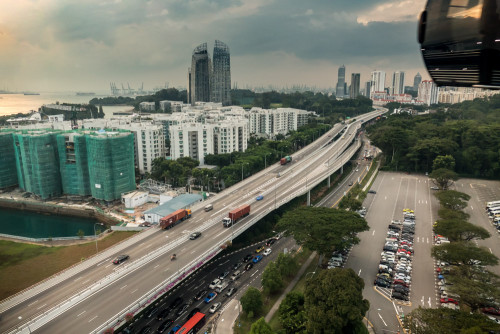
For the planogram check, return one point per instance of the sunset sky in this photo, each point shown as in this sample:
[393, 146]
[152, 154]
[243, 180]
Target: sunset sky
[51, 45]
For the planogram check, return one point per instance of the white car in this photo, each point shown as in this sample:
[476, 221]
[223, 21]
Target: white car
[214, 283]
[267, 251]
[214, 307]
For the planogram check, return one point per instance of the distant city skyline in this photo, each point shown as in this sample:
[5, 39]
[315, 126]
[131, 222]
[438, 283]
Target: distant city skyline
[56, 45]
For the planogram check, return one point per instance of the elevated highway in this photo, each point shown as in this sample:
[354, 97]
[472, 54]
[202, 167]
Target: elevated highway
[95, 295]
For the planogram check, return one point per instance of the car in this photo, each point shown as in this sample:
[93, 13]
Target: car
[177, 301]
[237, 265]
[164, 325]
[145, 330]
[400, 282]
[260, 249]
[152, 312]
[175, 329]
[249, 266]
[211, 296]
[200, 294]
[120, 258]
[195, 235]
[267, 251]
[259, 198]
[193, 312]
[350, 183]
[182, 309]
[372, 192]
[401, 289]
[214, 307]
[163, 314]
[214, 283]
[400, 296]
[382, 283]
[270, 242]
[257, 258]
[248, 257]
[434, 188]
[396, 222]
[231, 291]
[448, 300]
[224, 274]
[491, 310]
[145, 224]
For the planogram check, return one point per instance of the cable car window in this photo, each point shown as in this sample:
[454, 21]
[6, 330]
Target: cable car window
[461, 9]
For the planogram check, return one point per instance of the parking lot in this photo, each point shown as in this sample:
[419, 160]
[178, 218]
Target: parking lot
[395, 192]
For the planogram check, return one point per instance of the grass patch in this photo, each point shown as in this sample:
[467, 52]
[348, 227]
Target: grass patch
[31, 264]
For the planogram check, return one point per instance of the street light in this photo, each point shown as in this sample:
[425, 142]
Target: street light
[265, 163]
[246, 163]
[312, 272]
[21, 318]
[95, 235]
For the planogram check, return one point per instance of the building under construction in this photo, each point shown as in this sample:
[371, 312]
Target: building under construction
[50, 163]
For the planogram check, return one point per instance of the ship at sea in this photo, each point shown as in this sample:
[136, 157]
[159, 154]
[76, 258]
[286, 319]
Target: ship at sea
[31, 93]
[85, 93]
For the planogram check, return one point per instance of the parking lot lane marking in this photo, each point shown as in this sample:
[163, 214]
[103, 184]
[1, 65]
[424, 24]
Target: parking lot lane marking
[133, 291]
[81, 313]
[427, 240]
[429, 302]
[373, 233]
[418, 239]
[422, 300]
[123, 287]
[107, 265]
[42, 306]
[32, 303]
[490, 250]
[382, 320]
[156, 266]
[359, 272]
[93, 319]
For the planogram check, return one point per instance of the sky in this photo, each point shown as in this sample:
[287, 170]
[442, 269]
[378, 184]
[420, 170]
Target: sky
[64, 45]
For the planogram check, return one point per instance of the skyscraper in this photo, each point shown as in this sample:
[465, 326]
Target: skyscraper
[221, 79]
[428, 92]
[416, 81]
[398, 83]
[377, 82]
[355, 81]
[199, 75]
[368, 86]
[340, 91]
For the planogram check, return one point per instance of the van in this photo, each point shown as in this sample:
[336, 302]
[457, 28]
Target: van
[235, 275]
[208, 207]
[221, 286]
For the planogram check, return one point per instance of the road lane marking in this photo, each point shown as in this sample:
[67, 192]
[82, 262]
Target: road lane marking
[359, 272]
[254, 273]
[427, 240]
[93, 318]
[490, 250]
[42, 306]
[156, 266]
[223, 263]
[133, 291]
[85, 281]
[418, 239]
[81, 313]
[76, 279]
[123, 287]
[423, 301]
[382, 320]
[219, 234]
[429, 302]
[107, 265]
[373, 233]
[193, 251]
[33, 302]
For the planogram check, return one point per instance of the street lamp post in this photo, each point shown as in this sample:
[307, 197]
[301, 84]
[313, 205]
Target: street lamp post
[246, 163]
[21, 318]
[265, 162]
[95, 235]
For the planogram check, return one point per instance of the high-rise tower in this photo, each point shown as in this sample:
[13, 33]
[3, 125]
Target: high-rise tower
[398, 83]
[340, 91]
[355, 81]
[221, 79]
[377, 82]
[199, 75]
[416, 81]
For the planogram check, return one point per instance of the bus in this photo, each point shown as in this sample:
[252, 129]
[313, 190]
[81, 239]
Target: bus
[490, 204]
[193, 325]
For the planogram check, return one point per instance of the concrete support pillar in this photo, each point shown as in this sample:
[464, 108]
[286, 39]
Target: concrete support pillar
[342, 169]
[309, 198]
[328, 181]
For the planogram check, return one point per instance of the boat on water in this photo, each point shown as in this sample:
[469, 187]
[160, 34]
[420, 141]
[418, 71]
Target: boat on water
[85, 93]
[30, 93]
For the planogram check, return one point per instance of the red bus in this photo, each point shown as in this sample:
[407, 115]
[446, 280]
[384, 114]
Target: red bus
[193, 325]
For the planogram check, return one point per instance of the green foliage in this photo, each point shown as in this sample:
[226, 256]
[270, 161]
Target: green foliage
[476, 288]
[446, 213]
[261, 327]
[174, 172]
[323, 229]
[80, 234]
[271, 278]
[463, 253]
[350, 202]
[287, 264]
[452, 199]
[444, 161]
[251, 301]
[111, 100]
[292, 315]
[334, 302]
[448, 321]
[460, 230]
[443, 177]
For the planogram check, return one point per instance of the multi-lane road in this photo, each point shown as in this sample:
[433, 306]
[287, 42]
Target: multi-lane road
[86, 297]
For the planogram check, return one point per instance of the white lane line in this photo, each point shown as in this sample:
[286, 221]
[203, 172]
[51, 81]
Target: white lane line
[123, 287]
[156, 266]
[382, 320]
[42, 306]
[93, 318]
[427, 240]
[85, 281]
[254, 273]
[423, 301]
[219, 234]
[81, 313]
[373, 233]
[359, 273]
[32, 303]
[107, 265]
[193, 252]
[133, 291]
[76, 279]
[429, 302]
[223, 263]
[490, 250]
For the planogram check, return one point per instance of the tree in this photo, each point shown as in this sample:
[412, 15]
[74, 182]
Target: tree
[443, 177]
[444, 161]
[476, 291]
[459, 230]
[351, 203]
[448, 321]
[452, 199]
[287, 264]
[291, 313]
[446, 213]
[334, 302]
[464, 254]
[261, 327]
[101, 112]
[323, 229]
[251, 301]
[80, 234]
[271, 278]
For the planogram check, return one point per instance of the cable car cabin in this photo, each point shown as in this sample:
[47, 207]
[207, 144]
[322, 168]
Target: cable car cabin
[460, 42]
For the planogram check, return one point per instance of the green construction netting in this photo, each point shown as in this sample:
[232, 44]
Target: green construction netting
[37, 163]
[111, 164]
[8, 172]
[73, 163]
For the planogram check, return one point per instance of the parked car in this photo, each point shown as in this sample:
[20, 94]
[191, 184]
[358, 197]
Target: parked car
[448, 300]
[382, 283]
[400, 296]
[120, 258]
[400, 282]
[401, 289]
[491, 310]
[372, 192]
[270, 242]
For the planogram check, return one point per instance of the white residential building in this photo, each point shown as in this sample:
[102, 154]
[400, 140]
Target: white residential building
[427, 92]
[271, 122]
[377, 82]
[147, 106]
[398, 83]
[171, 106]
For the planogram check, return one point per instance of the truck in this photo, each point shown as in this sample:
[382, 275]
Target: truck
[236, 214]
[286, 160]
[174, 218]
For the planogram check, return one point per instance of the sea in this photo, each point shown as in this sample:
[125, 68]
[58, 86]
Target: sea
[11, 104]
